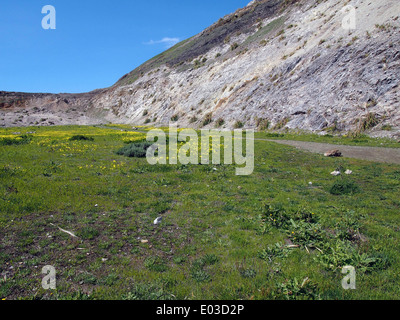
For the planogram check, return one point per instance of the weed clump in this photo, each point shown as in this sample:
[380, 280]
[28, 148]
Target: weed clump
[344, 187]
[148, 292]
[293, 289]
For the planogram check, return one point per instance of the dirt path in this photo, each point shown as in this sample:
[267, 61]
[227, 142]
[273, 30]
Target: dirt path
[377, 154]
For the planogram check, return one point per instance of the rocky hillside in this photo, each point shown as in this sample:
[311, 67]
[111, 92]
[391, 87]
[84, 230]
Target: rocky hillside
[274, 64]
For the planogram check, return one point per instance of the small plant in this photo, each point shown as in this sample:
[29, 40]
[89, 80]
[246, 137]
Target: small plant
[81, 138]
[52, 167]
[210, 259]
[238, 124]
[86, 278]
[145, 113]
[277, 217]
[387, 127]
[179, 260]
[309, 235]
[198, 64]
[339, 254]
[175, 118]
[207, 119]
[344, 187]
[234, 46]
[88, 233]
[201, 276]
[146, 292]
[276, 251]
[220, 122]
[155, 264]
[281, 123]
[193, 119]
[248, 273]
[294, 289]
[262, 124]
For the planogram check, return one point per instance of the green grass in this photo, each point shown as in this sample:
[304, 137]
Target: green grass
[265, 31]
[344, 139]
[223, 236]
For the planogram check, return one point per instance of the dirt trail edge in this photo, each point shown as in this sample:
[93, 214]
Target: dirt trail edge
[377, 154]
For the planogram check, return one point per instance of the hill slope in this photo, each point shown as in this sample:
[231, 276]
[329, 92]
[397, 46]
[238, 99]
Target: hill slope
[274, 63]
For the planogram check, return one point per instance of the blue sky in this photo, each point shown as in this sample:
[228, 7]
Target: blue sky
[95, 42]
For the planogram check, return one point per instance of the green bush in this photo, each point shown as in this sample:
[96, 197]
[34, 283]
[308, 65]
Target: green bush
[135, 150]
[80, 137]
[24, 139]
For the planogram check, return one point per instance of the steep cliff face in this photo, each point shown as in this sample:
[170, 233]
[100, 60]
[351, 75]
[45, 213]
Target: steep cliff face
[275, 63]
[28, 109]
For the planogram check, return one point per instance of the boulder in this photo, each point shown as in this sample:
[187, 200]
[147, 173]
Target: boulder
[333, 153]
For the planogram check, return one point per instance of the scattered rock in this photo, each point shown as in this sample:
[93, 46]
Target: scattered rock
[348, 172]
[158, 221]
[333, 153]
[336, 173]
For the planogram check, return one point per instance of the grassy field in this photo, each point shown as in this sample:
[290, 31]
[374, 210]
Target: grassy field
[284, 232]
[361, 140]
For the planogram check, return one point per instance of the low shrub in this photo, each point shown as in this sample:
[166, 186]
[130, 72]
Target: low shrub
[24, 139]
[135, 150]
[80, 137]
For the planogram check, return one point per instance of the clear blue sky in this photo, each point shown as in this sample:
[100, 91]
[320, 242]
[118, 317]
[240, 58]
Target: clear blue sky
[95, 42]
